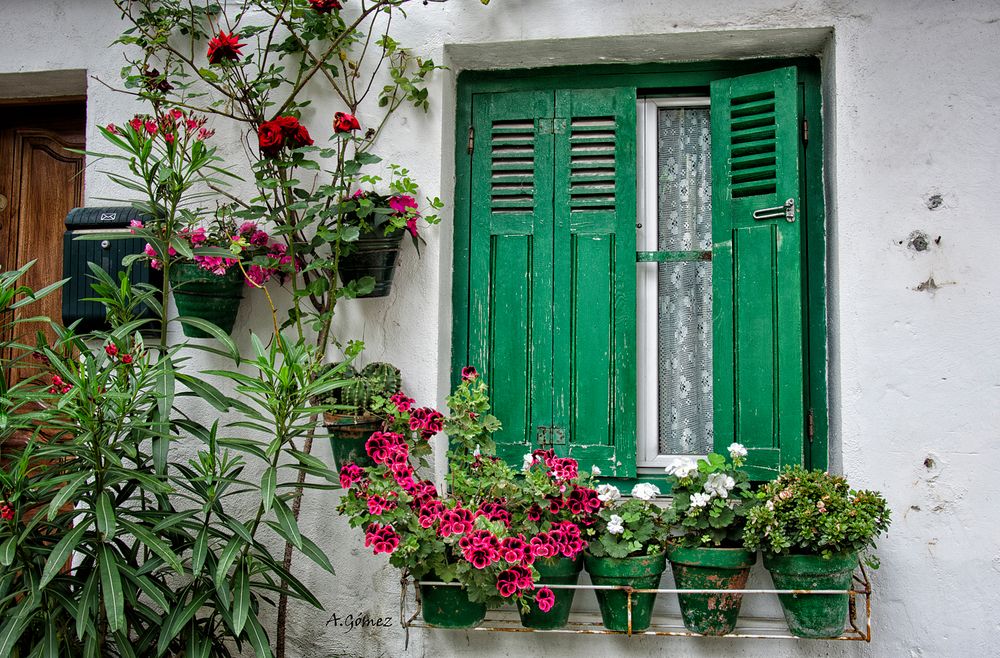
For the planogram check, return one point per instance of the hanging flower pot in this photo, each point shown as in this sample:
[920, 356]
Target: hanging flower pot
[201, 294]
[348, 435]
[374, 254]
[710, 568]
[553, 571]
[448, 606]
[813, 615]
[641, 572]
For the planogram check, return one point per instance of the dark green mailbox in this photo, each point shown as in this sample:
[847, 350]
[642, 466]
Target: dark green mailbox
[106, 253]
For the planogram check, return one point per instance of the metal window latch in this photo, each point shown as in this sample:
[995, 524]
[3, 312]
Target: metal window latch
[787, 211]
[547, 437]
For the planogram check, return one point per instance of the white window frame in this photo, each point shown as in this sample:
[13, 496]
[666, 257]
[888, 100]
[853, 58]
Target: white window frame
[648, 457]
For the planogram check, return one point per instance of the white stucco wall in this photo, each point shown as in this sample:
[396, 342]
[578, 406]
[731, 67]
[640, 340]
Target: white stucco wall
[911, 110]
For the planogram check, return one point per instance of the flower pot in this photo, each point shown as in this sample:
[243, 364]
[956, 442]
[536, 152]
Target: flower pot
[447, 606]
[374, 255]
[200, 294]
[813, 615]
[553, 571]
[348, 435]
[642, 572]
[710, 568]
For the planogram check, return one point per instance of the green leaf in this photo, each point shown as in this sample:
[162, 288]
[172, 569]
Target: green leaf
[88, 600]
[267, 484]
[155, 544]
[199, 551]
[205, 391]
[50, 645]
[7, 551]
[257, 638]
[65, 493]
[287, 522]
[226, 560]
[241, 598]
[60, 554]
[177, 619]
[316, 554]
[214, 330]
[11, 632]
[111, 587]
[105, 514]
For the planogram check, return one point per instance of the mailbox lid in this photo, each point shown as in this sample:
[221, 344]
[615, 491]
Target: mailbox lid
[102, 217]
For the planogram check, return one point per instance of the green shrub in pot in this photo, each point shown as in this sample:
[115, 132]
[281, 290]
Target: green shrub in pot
[811, 527]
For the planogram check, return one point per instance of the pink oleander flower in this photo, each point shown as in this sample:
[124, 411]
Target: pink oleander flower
[150, 127]
[134, 224]
[382, 539]
[350, 473]
[402, 401]
[583, 501]
[545, 599]
[516, 550]
[480, 548]
[377, 505]
[563, 468]
[111, 128]
[6, 512]
[176, 113]
[456, 521]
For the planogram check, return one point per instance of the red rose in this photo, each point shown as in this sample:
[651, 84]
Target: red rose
[325, 6]
[223, 47]
[270, 138]
[300, 137]
[343, 122]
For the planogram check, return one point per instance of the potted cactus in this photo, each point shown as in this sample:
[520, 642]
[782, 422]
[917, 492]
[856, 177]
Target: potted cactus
[361, 398]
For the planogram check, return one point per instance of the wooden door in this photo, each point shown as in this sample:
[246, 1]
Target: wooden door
[40, 181]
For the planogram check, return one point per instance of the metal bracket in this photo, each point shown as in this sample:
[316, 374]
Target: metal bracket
[547, 436]
[787, 211]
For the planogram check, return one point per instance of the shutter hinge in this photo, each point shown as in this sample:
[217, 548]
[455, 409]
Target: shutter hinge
[811, 426]
[472, 139]
[805, 131]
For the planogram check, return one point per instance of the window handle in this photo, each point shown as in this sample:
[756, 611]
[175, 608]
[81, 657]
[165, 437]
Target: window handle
[787, 211]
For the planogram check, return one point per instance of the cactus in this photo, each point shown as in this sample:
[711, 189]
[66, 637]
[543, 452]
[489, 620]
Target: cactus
[334, 396]
[356, 394]
[383, 378]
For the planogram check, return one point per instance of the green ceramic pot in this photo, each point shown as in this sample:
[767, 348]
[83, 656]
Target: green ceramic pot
[348, 435]
[553, 571]
[642, 572]
[710, 568]
[374, 255]
[813, 615]
[200, 294]
[446, 606]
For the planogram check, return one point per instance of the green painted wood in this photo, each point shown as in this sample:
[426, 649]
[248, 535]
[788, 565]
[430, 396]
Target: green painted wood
[510, 263]
[671, 256]
[757, 275]
[814, 212]
[594, 278]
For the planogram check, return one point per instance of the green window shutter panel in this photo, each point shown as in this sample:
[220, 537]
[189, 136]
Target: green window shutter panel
[510, 294]
[757, 274]
[594, 278]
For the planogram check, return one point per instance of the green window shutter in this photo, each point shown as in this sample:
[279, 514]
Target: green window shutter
[510, 293]
[758, 285]
[594, 278]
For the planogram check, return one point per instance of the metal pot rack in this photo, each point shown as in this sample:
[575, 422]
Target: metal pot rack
[858, 627]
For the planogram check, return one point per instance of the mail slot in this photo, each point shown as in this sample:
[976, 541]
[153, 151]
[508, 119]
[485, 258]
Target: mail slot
[107, 253]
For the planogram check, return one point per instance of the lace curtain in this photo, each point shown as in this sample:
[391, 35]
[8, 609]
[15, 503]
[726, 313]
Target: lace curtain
[684, 213]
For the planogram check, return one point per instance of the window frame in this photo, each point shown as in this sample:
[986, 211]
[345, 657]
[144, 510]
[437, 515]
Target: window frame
[653, 79]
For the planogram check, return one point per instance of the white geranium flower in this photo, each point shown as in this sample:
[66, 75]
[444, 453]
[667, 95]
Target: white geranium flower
[645, 491]
[615, 526]
[737, 450]
[595, 471]
[608, 492]
[529, 459]
[699, 499]
[719, 484]
[682, 467]
[476, 453]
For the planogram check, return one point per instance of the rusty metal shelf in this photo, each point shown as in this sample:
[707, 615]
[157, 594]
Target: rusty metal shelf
[858, 628]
